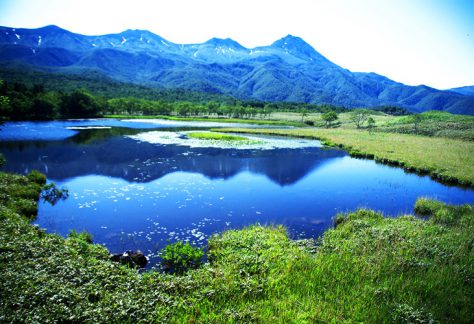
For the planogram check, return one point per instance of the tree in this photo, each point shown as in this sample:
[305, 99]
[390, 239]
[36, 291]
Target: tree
[359, 116]
[79, 104]
[183, 108]
[45, 106]
[370, 124]
[416, 119]
[304, 113]
[213, 107]
[4, 106]
[329, 117]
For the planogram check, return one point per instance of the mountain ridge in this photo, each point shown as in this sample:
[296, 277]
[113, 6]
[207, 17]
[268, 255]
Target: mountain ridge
[289, 69]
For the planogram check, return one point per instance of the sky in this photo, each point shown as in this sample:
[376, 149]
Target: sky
[410, 41]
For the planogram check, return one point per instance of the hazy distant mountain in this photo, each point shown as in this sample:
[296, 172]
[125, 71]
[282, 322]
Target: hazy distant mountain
[468, 90]
[287, 70]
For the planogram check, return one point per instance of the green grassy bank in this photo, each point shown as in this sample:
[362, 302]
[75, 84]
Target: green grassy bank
[368, 269]
[447, 160]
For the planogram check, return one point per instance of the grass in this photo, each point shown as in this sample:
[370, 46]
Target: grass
[433, 123]
[220, 138]
[215, 136]
[444, 159]
[368, 269]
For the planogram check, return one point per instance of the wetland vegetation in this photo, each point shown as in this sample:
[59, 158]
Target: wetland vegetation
[369, 268]
[216, 136]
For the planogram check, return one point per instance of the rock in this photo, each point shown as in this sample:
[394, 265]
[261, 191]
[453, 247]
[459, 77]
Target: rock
[115, 257]
[131, 258]
[139, 258]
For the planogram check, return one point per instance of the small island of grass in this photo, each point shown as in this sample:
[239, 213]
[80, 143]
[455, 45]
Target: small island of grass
[216, 136]
[228, 139]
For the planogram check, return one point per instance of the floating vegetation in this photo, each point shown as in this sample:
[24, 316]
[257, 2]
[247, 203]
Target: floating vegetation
[216, 136]
[211, 139]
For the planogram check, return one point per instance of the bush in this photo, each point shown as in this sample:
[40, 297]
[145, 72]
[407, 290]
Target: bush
[179, 257]
[82, 236]
[427, 207]
[339, 220]
[37, 177]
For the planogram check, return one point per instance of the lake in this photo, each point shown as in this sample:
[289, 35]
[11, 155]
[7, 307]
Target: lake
[142, 184]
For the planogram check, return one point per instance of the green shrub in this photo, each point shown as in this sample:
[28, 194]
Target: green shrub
[179, 257]
[427, 207]
[37, 177]
[82, 236]
[339, 219]
[26, 207]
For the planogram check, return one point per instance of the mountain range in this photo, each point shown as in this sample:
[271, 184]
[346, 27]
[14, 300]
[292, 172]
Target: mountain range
[287, 70]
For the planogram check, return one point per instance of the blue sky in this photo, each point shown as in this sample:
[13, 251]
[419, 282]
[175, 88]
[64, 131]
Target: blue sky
[411, 41]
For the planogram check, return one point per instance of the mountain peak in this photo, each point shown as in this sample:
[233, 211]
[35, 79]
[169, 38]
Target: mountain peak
[224, 42]
[297, 46]
[291, 42]
[51, 29]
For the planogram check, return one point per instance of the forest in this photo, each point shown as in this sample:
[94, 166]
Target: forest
[20, 101]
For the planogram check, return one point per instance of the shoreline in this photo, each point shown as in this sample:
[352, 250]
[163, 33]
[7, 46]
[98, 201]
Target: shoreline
[358, 152]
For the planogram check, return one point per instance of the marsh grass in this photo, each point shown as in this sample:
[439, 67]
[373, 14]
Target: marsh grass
[444, 159]
[433, 123]
[215, 136]
[368, 269]
[220, 138]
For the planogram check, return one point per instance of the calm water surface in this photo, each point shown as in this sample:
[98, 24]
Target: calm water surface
[133, 194]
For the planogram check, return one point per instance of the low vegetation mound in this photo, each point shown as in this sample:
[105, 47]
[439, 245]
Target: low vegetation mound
[367, 269]
[216, 136]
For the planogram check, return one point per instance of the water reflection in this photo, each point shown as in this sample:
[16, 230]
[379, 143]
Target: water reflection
[122, 157]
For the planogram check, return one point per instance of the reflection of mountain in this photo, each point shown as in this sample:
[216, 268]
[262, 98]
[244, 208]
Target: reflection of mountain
[143, 162]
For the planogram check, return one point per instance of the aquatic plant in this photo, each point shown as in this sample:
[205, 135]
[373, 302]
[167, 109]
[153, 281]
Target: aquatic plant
[213, 139]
